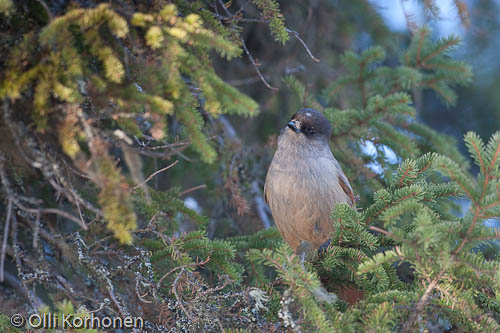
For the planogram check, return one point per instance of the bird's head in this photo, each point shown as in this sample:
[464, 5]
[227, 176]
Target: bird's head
[310, 124]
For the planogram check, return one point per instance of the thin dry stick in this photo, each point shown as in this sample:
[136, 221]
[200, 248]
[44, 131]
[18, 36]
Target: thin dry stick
[11, 196]
[248, 52]
[154, 174]
[51, 211]
[141, 298]
[192, 189]
[194, 264]
[5, 236]
[76, 199]
[255, 66]
[176, 294]
[382, 231]
[408, 327]
[296, 35]
[47, 9]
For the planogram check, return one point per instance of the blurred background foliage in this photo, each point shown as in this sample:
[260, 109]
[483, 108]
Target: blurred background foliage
[200, 90]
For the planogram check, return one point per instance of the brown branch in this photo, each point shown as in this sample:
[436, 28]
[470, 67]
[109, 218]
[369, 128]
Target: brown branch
[141, 298]
[214, 289]
[51, 211]
[481, 163]
[194, 264]
[11, 196]
[469, 231]
[494, 158]
[248, 52]
[393, 203]
[192, 189]
[452, 176]
[255, 66]
[296, 35]
[49, 168]
[439, 50]
[179, 299]
[419, 48]
[382, 231]
[404, 176]
[408, 327]
[364, 121]
[154, 174]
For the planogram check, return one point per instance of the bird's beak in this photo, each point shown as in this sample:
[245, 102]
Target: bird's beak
[292, 125]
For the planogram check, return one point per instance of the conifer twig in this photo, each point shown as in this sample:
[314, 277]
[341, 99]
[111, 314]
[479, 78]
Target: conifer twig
[11, 196]
[194, 264]
[296, 35]
[141, 298]
[382, 231]
[192, 189]
[154, 174]
[255, 66]
[248, 52]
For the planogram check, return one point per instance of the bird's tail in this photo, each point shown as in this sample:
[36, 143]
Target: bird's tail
[350, 294]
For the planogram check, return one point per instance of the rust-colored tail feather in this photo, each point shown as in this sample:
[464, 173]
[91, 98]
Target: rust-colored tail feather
[350, 294]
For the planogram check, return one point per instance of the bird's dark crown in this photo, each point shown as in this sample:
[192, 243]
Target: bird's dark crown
[311, 123]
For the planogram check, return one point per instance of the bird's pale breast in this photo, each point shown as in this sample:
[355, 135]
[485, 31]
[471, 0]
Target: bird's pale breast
[301, 194]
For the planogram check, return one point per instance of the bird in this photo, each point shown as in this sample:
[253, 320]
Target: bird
[304, 181]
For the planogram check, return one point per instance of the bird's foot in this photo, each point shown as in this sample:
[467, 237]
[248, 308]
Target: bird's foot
[324, 246]
[305, 251]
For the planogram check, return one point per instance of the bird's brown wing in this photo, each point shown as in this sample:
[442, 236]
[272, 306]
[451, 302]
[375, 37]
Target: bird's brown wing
[344, 184]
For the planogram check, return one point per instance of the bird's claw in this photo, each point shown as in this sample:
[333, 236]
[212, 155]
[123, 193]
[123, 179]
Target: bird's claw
[322, 249]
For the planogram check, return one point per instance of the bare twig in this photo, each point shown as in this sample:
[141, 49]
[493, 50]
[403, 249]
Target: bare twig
[47, 9]
[255, 66]
[52, 211]
[5, 237]
[179, 300]
[194, 264]
[170, 145]
[111, 292]
[154, 174]
[192, 189]
[242, 82]
[214, 289]
[51, 239]
[296, 35]
[408, 327]
[38, 158]
[141, 298]
[11, 196]
[248, 52]
[382, 231]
